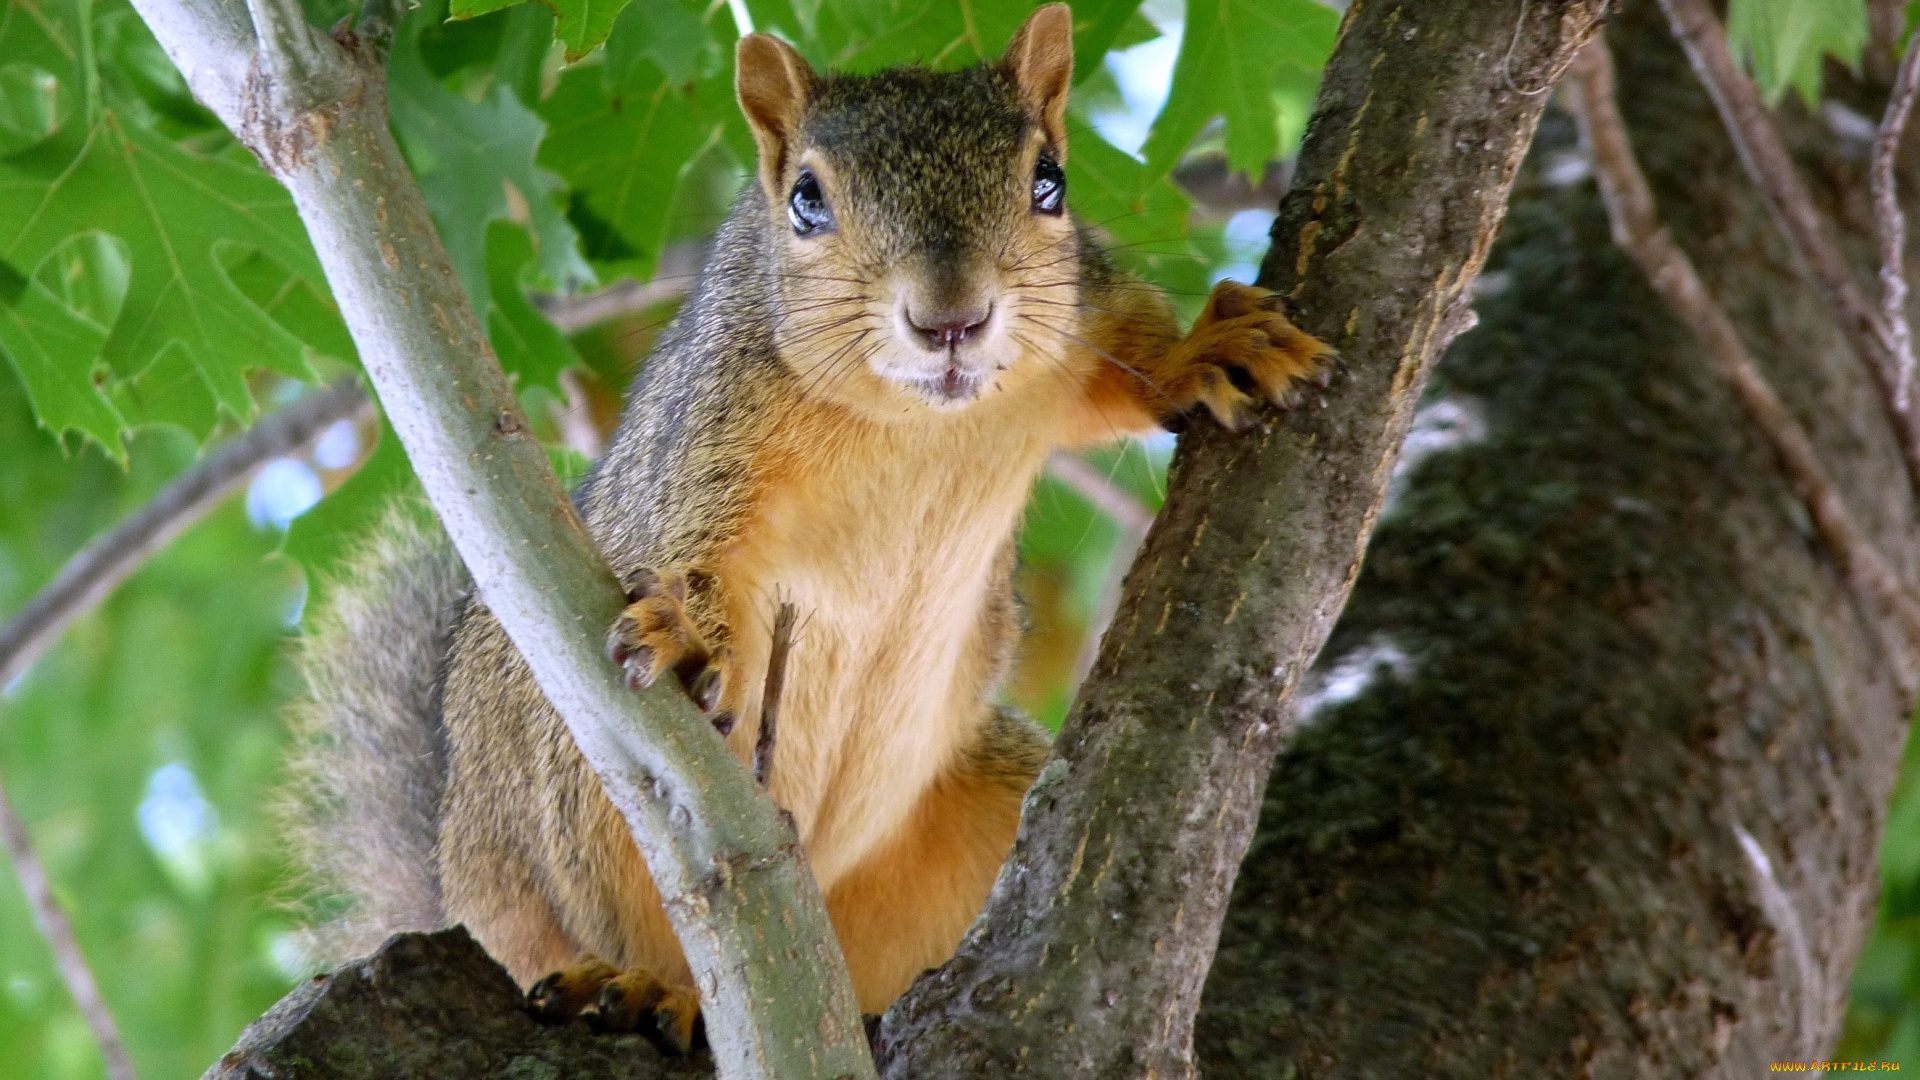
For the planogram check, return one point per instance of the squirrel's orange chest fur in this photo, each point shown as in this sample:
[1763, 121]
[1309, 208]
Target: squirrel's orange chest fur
[892, 542]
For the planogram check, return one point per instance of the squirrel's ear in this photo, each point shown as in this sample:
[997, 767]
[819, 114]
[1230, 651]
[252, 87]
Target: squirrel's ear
[1041, 60]
[774, 83]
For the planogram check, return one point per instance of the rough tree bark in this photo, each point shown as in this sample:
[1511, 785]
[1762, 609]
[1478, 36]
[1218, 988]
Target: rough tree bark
[1609, 802]
[1090, 957]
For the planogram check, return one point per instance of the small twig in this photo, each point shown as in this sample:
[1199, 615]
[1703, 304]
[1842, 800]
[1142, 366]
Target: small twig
[1637, 229]
[1506, 65]
[58, 932]
[1109, 498]
[1764, 153]
[1890, 221]
[99, 567]
[770, 699]
[375, 27]
[678, 267]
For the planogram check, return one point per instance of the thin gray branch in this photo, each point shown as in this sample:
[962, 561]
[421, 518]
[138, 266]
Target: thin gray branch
[746, 908]
[54, 927]
[1637, 229]
[87, 578]
[97, 569]
[1764, 153]
[1890, 222]
[678, 267]
[1104, 495]
[1219, 192]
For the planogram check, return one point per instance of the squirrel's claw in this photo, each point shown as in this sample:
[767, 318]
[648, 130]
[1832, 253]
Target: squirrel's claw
[639, 1001]
[1241, 346]
[655, 635]
[614, 1001]
[562, 995]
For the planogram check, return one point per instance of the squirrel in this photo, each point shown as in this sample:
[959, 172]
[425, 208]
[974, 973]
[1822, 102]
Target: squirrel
[899, 322]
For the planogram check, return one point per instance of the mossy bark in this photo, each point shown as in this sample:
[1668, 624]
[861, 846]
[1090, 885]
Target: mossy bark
[1608, 802]
[1090, 956]
[432, 1007]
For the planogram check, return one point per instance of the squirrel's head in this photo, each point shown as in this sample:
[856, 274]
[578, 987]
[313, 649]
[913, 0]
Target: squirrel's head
[915, 216]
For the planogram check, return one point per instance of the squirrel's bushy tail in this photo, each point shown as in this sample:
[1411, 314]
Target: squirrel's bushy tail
[370, 762]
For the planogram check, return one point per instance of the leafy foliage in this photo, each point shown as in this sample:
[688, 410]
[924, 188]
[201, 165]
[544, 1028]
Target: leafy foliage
[1785, 41]
[1232, 60]
[163, 333]
[157, 290]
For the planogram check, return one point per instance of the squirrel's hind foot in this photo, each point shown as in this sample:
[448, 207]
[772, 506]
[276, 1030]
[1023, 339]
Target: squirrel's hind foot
[1243, 345]
[655, 635]
[612, 1001]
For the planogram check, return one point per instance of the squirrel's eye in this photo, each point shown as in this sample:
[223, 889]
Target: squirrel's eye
[807, 206]
[1049, 186]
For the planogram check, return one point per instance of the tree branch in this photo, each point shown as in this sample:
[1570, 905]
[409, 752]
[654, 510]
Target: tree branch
[86, 579]
[1637, 229]
[58, 932]
[1890, 222]
[1771, 167]
[1089, 959]
[744, 904]
[97, 569]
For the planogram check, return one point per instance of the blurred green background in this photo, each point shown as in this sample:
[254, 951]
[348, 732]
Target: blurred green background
[562, 149]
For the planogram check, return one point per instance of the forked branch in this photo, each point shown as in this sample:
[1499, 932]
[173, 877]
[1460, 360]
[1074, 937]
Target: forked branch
[1764, 154]
[1637, 229]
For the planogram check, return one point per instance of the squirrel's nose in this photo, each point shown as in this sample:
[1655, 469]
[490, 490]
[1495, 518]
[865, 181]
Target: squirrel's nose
[947, 329]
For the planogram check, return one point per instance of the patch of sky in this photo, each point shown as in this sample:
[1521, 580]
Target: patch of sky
[283, 490]
[180, 825]
[339, 446]
[1144, 74]
[1247, 237]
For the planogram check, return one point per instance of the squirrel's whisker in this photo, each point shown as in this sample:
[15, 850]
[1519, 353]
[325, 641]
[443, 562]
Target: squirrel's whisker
[1090, 346]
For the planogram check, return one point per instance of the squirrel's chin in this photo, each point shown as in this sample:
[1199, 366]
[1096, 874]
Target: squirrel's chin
[949, 390]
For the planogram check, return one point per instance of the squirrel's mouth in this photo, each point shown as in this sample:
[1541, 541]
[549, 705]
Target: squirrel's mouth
[953, 386]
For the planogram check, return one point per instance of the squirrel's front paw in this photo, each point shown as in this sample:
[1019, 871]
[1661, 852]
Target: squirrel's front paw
[615, 1001]
[655, 635]
[1240, 345]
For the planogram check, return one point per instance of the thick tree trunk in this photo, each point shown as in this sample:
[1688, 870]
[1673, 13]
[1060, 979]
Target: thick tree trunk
[1089, 959]
[1603, 743]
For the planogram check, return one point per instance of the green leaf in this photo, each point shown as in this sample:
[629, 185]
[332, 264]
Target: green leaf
[185, 336]
[1783, 41]
[670, 35]
[578, 24]
[509, 47]
[307, 312]
[1099, 27]
[531, 349]
[65, 309]
[1232, 55]
[30, 106]
[475, 164]
[625, 149]
[1143, 215]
